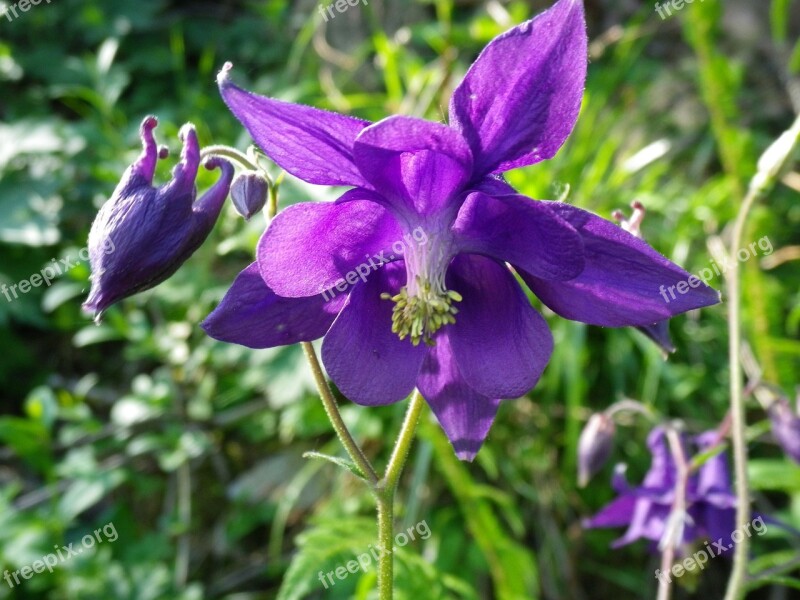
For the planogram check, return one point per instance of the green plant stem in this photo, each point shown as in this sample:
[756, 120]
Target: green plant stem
[332, 410]
[232, 153]
[385, 493]
[737, 584]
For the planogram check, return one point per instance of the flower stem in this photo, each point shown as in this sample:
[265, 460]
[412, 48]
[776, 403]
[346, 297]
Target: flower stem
[332, 410]
[229, 152]
[385, 493]
[770, 166]
[673, 536]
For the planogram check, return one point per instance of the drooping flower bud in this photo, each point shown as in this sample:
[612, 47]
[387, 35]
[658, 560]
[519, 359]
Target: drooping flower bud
[249, 193]
[152, 231]
[786, 427]
[594, 446]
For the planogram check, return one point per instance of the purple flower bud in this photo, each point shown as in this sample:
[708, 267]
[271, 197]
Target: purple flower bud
[594, 446]
[143, 234]
[786, 427]
[249, 193]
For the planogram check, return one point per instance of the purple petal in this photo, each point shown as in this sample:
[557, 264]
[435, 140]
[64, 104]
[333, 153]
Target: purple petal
[617, 513]
[364, 358]
[647, 521]
[521, 231]
[312, 144]
[312, 247]
[718, 522]
[500, 342]
[143, 170]
[520, 99]
[663, 473]
[252, 315]
[625, 282]
[418, 166]
[465, 415]
[142, 235]
[713, 478]
[659, 334]
[208, 206]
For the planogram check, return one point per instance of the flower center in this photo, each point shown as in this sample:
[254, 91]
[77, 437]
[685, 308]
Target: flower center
[424, 305]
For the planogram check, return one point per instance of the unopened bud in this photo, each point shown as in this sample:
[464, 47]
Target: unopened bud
[249, 193]
[776, 159]
[594, 446]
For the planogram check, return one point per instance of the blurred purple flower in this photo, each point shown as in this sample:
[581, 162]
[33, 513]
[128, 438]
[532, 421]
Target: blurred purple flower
[153, 231]
[786, 427]
[645, 510]
[482, 339]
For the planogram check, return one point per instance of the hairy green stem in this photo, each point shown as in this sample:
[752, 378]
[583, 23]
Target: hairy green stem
[335, 417]
[770, 167]
[385, 493]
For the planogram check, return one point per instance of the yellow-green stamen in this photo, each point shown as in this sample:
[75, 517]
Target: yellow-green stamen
[418, 316]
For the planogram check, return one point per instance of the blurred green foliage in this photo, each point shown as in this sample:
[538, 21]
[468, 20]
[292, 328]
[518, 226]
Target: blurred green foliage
[193, 449]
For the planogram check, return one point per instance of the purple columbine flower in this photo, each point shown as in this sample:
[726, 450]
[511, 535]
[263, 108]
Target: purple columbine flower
[152, 231]
[786, 427]
[709, 503]
[446, 316]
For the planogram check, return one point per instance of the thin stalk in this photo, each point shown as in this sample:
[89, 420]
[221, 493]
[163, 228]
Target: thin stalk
[673, 536]
[385, 493]
[404, 441]
[770, 167]
[738, 421]
[229, 152]
[332, 410]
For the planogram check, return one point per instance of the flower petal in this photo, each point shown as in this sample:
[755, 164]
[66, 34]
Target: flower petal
[142, 235]
[520, 99]
[520, 231]
[625, 282]
[465, 415]
[417, 165]
[364, 358]
[252, 315]
[501, 344]
[648, 521]
[311, 247]
[312, 144]
[659, 333]
[616, 513]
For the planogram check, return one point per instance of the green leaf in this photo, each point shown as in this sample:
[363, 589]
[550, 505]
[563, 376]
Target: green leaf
[338, 461]
[321, 550]
[512, 566]
[773, 474]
